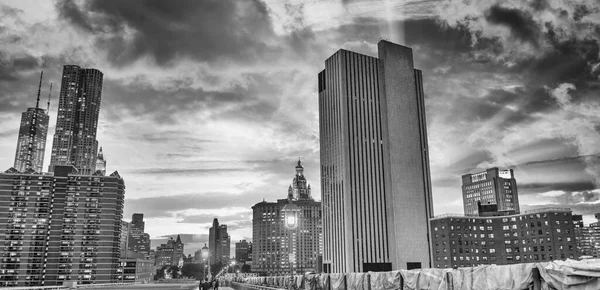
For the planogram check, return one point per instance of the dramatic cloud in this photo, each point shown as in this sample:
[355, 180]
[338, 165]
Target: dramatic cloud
[202, 30]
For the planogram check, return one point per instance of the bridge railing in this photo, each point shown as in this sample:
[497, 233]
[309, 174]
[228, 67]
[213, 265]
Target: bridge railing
[62, 287]
[570, 274]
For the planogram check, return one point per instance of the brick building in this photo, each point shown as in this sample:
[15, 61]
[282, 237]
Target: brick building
[532, 236]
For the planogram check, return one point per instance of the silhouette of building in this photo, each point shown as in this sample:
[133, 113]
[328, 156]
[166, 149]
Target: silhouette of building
[271, 239]
[138, 241]
[31, 143]
[375, 181]
[74, 141]
[491, 187]
[219, 244]
[60, 227]
[532, 236]
[243, 251]
[169, 254]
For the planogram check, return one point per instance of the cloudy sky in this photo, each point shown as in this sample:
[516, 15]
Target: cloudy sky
[207, 104]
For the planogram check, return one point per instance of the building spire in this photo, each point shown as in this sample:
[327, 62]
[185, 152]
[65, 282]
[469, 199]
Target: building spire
[37, 103]
[49, 94]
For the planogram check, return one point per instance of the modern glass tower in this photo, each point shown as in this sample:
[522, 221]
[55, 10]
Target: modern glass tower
[375, 181]
[75, 141]
[31, 144]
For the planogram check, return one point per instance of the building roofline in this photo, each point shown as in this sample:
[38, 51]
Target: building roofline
[539, 210]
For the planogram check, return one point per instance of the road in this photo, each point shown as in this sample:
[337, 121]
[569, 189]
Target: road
[155, 287]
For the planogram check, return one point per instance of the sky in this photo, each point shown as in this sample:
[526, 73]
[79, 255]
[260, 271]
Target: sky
[208, 104]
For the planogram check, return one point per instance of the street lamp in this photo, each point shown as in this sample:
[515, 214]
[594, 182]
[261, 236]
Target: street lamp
[205, 257]
[232, 266]
[291, 220]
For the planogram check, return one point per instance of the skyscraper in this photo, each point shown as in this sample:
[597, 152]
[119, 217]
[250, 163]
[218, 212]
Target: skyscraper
[219, 244]
[273, 242]
[74, 140]
[491, 187]
[31, 144]
[375, 182]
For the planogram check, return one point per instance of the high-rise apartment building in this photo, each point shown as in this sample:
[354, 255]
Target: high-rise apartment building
[534, 236]
[31, 143]
[375, 180]
[490, 187]
[59, 227]
[272, 242]
[243, 251]
[219, 243]
[74, 140]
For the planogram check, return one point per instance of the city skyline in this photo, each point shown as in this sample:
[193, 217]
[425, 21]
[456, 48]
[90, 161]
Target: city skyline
[202, 131]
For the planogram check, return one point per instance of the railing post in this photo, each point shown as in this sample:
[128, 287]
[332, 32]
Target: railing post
[537, 279]
[449, 281]
[401, 282]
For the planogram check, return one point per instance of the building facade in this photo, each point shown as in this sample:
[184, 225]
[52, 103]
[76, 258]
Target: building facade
[243, 251]
[273, 242]
[375, 180]
[219, 243]
[31, 143]
[60, 227]
[74, 141]
[491, 187]
[589, 239]
[533, 236]
[169, 254]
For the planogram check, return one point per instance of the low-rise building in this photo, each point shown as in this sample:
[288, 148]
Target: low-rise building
[138, 270]
[532, 236]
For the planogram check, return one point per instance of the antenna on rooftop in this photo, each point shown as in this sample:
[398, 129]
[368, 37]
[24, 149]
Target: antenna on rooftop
[49, 94]
[37, 103]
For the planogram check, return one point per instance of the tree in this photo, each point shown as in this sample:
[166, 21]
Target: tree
[245, 268]
[215, 268]
[174, 271]
[193, 270]
[160, 273]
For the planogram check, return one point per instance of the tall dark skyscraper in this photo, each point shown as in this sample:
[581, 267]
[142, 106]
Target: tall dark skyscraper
[492, 187]
[137, 219]
[74, 140]
[219, 244]
[31, 144]
[375, 181]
